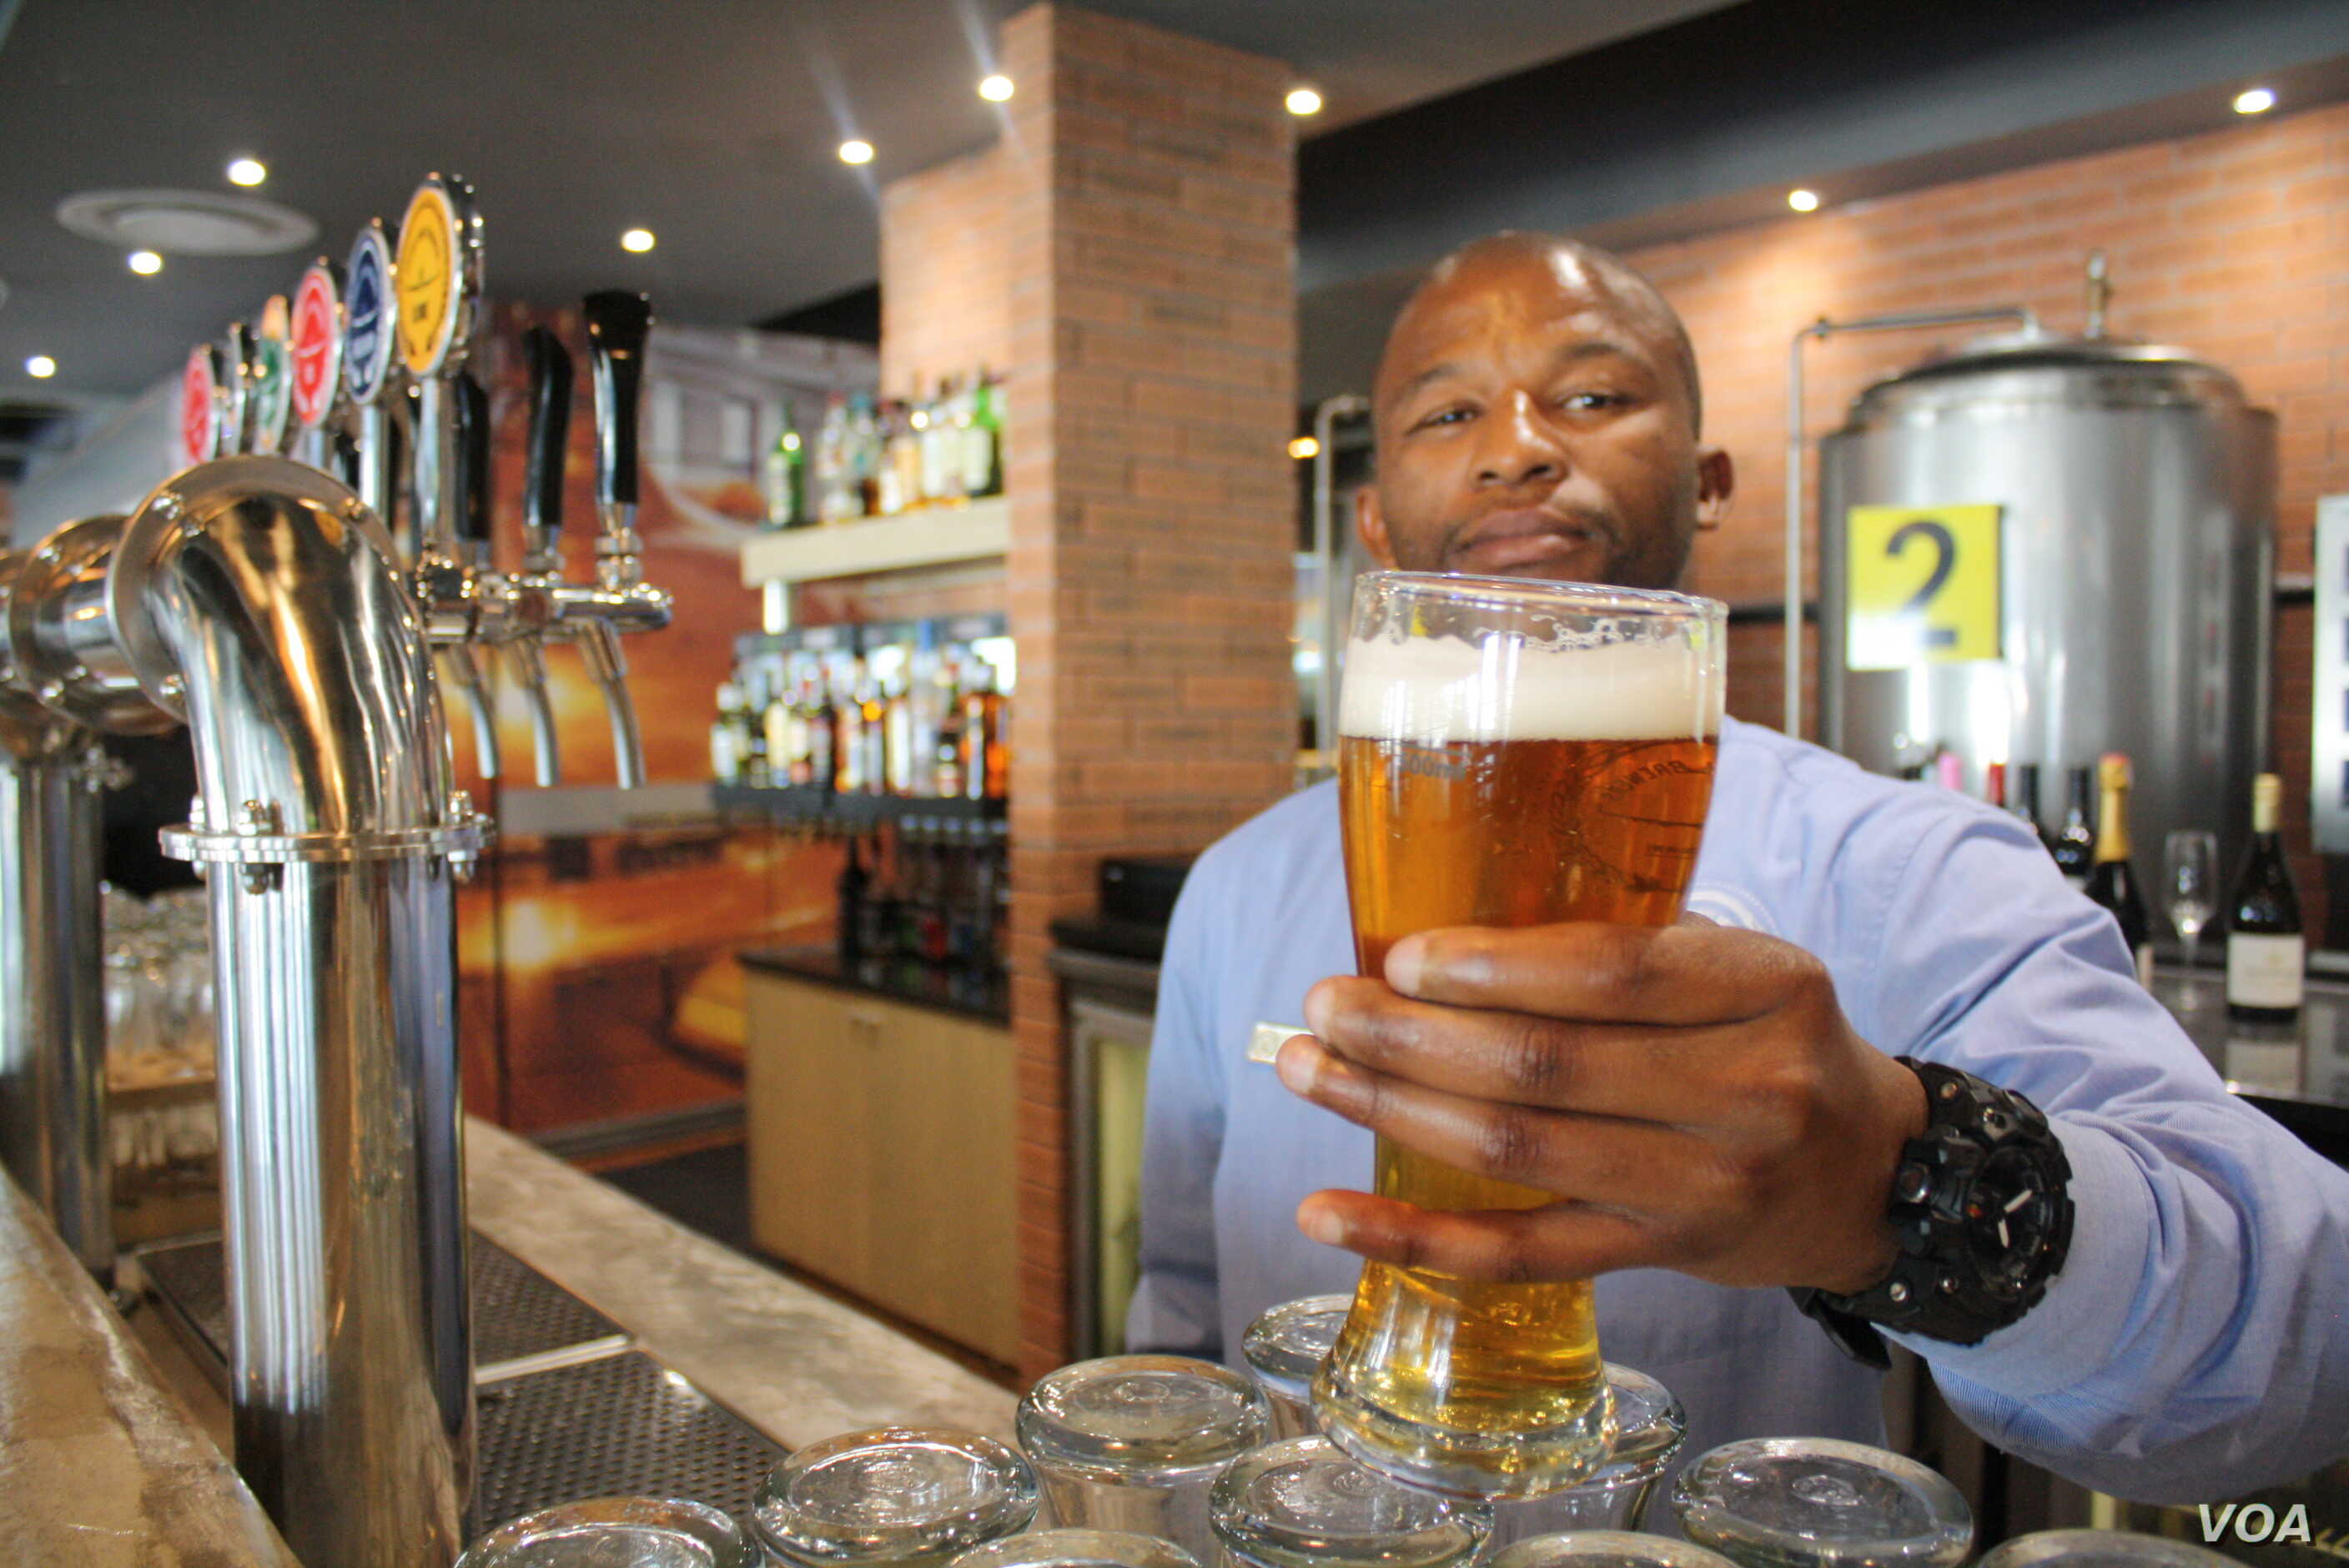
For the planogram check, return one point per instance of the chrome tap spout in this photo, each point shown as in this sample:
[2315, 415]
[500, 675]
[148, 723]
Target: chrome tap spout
[329, 823]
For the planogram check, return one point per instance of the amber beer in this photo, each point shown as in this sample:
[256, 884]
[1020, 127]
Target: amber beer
[1511, 754]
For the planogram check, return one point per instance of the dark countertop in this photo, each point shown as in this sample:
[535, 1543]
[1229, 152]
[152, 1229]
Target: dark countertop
[984, 996]
[2297, 1073]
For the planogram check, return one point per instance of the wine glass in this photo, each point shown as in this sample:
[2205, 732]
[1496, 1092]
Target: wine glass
[2189, 883]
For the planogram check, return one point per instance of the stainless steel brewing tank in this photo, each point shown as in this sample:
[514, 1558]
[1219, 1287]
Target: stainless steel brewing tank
[2137, 501]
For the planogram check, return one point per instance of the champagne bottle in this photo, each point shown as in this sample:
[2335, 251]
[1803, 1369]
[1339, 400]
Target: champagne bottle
[2113, 883]
[2266, 952]
[2074, 848]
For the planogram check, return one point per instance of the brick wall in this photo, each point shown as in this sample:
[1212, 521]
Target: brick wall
[946, 283]
[2234, 244]
[1153, 329]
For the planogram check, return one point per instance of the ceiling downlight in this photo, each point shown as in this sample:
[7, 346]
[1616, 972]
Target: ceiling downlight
[187, 223]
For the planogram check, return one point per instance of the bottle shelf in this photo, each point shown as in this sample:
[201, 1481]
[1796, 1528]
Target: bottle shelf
[806, 803]
[933, 536]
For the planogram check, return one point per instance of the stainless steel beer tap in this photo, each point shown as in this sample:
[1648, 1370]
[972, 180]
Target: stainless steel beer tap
[475, 534]
[532, 591]
[315, 365]
[436, 280]
[618, 323]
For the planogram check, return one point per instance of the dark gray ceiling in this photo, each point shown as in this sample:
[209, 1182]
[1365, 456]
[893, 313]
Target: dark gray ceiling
[712, 122]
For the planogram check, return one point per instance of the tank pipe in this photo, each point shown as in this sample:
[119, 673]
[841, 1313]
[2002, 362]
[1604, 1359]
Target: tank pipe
[1898, 321]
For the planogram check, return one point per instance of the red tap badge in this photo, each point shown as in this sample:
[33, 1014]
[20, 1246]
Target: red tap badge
[317, 346]
[199, 406]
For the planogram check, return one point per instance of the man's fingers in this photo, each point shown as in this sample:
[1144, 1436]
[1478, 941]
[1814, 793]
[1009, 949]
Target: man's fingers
[1607, 1069]
[1563, 1241]
[1638, 1166]
[1673, 975]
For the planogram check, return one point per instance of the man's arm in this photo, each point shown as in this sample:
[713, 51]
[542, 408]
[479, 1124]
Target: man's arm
[1701, 1100]
[1174, 1306]
[2196, 1343]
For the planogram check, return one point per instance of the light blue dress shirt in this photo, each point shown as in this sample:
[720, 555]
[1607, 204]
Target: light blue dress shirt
[2194, 1345]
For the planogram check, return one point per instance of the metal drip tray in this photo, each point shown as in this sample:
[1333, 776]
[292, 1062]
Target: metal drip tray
[522, 1321]
[622, 1426]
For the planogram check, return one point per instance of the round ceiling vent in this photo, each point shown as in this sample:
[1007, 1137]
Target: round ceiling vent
[186, 223]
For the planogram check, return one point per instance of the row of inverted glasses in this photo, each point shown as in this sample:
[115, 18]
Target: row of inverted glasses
[1123, 1441]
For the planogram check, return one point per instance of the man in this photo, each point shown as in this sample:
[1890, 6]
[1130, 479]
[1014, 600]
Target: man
[1717, 1105]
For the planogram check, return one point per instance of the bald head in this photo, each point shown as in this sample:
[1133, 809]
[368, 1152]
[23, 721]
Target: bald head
[1569, 275]
[1536, 415]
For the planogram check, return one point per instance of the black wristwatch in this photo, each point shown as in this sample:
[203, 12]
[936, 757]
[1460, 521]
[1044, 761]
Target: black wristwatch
[1979, 1206]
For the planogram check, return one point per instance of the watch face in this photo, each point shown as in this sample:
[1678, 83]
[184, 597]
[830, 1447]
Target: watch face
[2010, 1215]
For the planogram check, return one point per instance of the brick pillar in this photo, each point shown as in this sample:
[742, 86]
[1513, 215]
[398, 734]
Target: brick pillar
[1150, 215]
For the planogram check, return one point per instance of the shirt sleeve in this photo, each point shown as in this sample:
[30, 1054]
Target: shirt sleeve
[2195, 1344]
[1174, 1304]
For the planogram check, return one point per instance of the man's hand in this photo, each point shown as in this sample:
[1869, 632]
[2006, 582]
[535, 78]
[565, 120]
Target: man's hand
[1692, 1096]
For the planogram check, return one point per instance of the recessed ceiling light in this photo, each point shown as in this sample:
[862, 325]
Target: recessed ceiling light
[186, 223]
[996, 88]
[146, 263]
[1803, 201]
[247, 171]
[2254, 101]
[1304, 447]
[1304, 100]
[40, 367]
[637, 240]
[856, 152]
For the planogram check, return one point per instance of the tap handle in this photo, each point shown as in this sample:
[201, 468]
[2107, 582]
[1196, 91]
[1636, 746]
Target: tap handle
[473, 463]
[240, 349]
[619, 323]
[550, 437]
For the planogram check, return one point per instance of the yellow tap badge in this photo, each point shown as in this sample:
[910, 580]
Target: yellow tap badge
[426, 275]
[1924, 585]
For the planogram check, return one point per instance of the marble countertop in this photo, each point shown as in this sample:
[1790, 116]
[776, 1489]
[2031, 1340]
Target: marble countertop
[109, 1453]
[793, 1362]
[100, 1464]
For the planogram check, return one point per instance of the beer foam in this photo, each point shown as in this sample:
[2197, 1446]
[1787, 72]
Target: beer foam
[1434, 690]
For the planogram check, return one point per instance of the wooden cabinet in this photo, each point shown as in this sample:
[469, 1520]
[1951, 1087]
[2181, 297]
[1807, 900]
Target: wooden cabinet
[881, 1154]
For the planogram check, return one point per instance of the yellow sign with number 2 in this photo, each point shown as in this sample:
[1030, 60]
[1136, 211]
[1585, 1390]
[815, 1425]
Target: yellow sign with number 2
[1924, 585]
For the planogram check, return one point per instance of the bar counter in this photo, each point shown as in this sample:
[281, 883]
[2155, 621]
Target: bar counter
[109, 1447]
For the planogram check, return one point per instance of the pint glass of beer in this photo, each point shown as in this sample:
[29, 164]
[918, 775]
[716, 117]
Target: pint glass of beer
[1511, 753]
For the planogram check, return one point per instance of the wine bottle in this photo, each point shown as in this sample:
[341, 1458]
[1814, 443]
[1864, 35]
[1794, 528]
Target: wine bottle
[2023, 800]
[2266, 951]
[2113, 883]
[2074, 848]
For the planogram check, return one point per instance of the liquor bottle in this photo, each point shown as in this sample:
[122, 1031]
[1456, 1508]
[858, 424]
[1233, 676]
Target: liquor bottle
[848, 749]
[899, 774]
[786, 477]
[864, 444]
[852, 886]
[726, 737]
[2266, 952]
[876, 763]
[2024, 802]
[946, 775]
[982, 445]
[752, 716]
[986, 760]
[823, 730]
[2074, 848]
[1950, 771]
[2113, 883]
[783, 725]
[1994, 784]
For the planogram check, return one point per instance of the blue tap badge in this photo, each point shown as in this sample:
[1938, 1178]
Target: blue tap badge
[366, 316]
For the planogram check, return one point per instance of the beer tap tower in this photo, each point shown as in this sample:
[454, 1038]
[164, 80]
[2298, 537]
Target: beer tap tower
[265, 605]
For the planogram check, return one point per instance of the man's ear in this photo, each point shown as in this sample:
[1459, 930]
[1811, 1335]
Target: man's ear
[1716, 478]
[1371, 527]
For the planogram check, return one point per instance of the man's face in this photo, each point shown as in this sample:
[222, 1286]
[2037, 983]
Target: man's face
[1533, 421]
